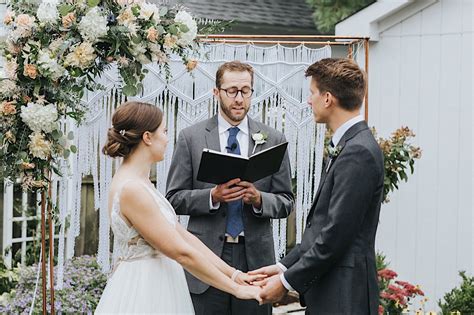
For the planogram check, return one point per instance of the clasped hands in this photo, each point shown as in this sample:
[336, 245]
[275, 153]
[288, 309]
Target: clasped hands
[268, 279]
[236, 189]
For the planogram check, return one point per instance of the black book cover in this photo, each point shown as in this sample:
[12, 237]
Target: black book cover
[219, 167]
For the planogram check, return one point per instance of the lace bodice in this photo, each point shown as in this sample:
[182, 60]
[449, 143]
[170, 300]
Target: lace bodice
[128, 243]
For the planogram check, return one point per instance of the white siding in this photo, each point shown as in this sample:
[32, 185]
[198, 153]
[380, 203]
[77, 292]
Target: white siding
[421, 77]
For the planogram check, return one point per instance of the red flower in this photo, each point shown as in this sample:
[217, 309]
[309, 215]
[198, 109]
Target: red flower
[381, 310]
[387, 274]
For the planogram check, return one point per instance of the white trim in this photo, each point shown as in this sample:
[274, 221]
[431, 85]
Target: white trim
[7, 222]
[380, 16]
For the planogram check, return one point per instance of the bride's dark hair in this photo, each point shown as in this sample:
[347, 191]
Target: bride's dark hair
[129, 122]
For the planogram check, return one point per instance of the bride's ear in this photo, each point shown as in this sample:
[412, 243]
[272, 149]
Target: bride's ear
[146, 137]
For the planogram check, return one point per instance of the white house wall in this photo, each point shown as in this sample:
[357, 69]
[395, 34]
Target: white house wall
[420, 76]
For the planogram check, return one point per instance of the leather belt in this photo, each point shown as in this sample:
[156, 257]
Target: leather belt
[237, 240]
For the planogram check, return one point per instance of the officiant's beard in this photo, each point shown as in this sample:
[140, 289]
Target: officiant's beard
[227, 111]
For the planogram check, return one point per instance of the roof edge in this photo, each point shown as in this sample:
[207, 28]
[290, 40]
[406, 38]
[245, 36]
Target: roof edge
[380, 16]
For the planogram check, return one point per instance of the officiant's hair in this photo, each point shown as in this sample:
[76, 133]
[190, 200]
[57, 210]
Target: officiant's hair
[342, 78]
[230, 66]
[129, 122]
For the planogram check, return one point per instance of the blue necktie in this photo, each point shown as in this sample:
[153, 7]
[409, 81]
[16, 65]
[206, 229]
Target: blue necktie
[235, 225]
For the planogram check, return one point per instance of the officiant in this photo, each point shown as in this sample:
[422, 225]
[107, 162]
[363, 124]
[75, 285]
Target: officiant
[234, 218]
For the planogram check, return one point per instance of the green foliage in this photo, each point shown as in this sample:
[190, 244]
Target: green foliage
[8, 277]
[459, 299]
[83, 286]
[327, 13]
[399, 157]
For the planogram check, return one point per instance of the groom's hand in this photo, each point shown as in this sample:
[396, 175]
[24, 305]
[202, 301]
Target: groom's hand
[273, 290]
[227, 192]
[267, 271]
[246, 279]
[251, 194]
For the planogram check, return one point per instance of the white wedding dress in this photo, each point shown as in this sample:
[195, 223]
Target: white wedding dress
[143, 280]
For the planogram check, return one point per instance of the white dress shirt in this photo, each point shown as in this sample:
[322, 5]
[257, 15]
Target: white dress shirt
[243, 139]
[338, 134]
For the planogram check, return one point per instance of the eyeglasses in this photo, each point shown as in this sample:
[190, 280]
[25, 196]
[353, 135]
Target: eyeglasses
[232, 92]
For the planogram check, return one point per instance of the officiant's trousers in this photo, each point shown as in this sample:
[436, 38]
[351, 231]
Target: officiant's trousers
[217, 302]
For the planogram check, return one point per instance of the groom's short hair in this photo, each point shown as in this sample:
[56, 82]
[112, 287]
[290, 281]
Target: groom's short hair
[342, 78]
[230, 66]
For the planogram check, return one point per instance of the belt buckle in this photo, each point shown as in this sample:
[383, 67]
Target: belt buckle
[230, 239]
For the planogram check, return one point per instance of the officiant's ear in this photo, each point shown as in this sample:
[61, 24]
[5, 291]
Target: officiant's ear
[215, 91]
[146, 137]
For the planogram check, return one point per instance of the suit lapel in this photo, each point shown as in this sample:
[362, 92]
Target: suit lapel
[253, 128]
[212, 135]
[358, 127]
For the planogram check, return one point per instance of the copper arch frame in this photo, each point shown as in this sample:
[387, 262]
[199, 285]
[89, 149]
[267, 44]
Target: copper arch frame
[307, 40]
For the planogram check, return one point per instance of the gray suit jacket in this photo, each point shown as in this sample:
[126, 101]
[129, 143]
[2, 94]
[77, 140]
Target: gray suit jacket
[191, 197]
[333, 268]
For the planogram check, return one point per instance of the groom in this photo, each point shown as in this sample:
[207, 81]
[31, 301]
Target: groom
[233, 219]
[333, 269]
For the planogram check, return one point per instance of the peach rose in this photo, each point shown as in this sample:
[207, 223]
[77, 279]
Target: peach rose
[30, 71]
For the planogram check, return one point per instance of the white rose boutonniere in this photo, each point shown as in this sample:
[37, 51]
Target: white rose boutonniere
[333, 152]
[259, 138]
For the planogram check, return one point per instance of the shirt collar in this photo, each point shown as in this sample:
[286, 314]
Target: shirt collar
[224, 124]
[344, 127]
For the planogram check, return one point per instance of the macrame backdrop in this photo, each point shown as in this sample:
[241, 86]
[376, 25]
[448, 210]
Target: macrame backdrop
[279, 100]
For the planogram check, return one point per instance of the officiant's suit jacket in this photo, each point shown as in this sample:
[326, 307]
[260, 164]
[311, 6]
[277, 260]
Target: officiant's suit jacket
[191, 197]
[333, 268]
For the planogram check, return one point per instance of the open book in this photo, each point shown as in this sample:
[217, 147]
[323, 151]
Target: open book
[219, 167]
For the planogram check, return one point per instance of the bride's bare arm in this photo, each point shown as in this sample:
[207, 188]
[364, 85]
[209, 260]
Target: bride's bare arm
[213, 258]
[139, 207]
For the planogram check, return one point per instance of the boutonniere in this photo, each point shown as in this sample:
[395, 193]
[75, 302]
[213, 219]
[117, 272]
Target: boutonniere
[333, 152]
[259, 138]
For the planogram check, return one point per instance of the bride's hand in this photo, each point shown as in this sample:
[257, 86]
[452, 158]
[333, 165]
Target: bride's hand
[246, 279]
[248, 292]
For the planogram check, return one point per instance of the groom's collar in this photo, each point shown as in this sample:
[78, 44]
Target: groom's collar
[341, 131]
[354, 130]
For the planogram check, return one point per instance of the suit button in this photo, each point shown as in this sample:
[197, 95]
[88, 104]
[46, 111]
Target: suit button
[221, 237]
[308, 224]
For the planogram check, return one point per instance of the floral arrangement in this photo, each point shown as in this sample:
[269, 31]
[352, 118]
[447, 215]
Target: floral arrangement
[83, 286]
[399, 155]
[395, 296]
[53, 52]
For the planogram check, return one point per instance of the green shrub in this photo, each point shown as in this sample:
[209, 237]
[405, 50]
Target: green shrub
[459, 299]
[83, 286]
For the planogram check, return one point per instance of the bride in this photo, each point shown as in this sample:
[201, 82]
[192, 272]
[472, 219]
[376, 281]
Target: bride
[150, 247]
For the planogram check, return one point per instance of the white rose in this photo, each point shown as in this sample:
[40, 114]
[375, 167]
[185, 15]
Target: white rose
[257, 137]
[39, 117]
[149, 9]
[48, 12]
[39, 146]
[93, 25]
[186, 38]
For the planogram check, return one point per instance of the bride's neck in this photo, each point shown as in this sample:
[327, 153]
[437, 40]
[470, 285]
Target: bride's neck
[139, 165]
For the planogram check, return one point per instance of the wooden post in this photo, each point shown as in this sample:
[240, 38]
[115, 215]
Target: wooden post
[43, 248]
[51, 245]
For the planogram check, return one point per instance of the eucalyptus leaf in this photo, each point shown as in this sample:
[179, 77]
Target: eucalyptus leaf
[163, 11]
[93, 3]
[66, 153]
[56, 134]
[64, 9]
[129, 90]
